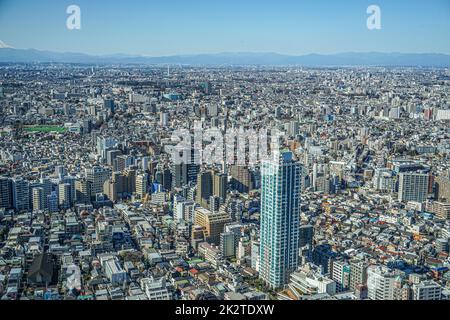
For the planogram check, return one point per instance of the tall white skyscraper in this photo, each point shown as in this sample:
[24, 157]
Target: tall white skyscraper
[280, 218]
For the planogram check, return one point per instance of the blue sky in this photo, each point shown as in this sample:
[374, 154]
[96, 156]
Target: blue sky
[166, 27]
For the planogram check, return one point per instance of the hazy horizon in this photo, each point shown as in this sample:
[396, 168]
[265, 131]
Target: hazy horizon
[225, 52]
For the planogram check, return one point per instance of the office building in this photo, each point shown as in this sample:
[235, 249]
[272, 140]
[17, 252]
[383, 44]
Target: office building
[204, 188]
[212, 222]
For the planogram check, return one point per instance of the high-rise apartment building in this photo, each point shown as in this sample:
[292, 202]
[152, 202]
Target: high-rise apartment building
[21, 194]
[280, 218]
[142, 185]
[121, 185]
[73, 194]
[39, 199]
[412, 186]
[83, 191]
[47, 185]
[97, 177]
[122, 162]
[64, 195]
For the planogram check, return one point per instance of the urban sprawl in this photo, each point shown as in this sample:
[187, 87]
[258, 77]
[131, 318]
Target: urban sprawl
[353, 203]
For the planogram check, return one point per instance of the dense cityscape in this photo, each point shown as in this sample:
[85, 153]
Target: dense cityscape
[352, 204]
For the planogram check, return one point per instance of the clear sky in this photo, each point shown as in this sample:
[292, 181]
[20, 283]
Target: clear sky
[166, 27]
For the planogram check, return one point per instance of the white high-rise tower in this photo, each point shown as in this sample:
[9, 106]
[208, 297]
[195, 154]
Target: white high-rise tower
[280, 218]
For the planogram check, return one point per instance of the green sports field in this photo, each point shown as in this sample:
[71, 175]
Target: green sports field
[45, 129]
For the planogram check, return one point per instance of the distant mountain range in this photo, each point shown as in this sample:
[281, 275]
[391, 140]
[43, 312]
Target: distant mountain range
[8, 54]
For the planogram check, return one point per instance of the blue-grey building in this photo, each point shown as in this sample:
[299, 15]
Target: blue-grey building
[280, 218]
